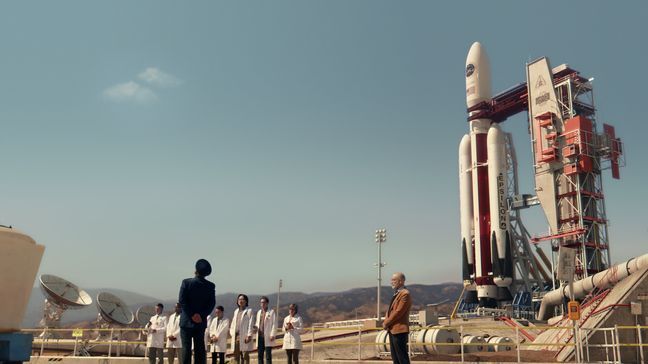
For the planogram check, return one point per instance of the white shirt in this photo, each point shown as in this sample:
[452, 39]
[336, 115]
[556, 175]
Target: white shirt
[155, 339]
[220, 329]
[245, 329]
[292, 337]
[173, 329]
[269, 327]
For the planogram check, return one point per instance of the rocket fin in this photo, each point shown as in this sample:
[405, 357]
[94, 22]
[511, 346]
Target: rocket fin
[494, 256]
[471, 297]
[504, 294]
[464, 261]
[508, 262]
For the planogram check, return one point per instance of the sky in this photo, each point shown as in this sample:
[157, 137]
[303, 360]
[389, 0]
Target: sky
[274, 138]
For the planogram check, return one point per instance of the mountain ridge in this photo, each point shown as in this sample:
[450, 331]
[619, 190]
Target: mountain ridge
[313, 307]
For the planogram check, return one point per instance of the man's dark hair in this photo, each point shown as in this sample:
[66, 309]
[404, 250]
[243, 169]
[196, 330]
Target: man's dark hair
[265, 298]
[203, 268]
[294, 305]
[245, 297]
[160, 306]
[220, 308]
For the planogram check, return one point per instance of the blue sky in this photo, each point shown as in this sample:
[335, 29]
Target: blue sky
[273, 138]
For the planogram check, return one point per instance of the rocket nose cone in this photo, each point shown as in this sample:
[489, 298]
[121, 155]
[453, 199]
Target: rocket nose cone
[478, 85]
[474, 51]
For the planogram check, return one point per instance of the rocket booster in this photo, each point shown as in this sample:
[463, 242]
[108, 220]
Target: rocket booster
[499, 236]
[484, 220]
[467, 223]
[466, 210]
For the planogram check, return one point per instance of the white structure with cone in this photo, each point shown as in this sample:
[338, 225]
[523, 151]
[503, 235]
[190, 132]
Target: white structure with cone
[485, 234]
[20, 258]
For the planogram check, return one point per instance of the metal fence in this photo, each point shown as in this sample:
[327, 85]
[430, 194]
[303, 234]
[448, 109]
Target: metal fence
[118, 342]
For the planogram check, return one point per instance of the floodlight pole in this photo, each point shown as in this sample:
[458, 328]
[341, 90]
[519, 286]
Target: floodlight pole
[278, 295]
[381, 237]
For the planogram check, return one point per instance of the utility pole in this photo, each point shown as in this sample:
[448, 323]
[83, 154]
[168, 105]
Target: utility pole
[381, 237]
[278, 294]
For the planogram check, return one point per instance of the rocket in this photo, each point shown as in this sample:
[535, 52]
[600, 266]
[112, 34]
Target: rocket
[485, 237]
[466, 212]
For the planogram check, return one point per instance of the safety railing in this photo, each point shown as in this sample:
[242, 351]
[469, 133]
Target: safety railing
[611, 344]
[359, 342]
[109, 341]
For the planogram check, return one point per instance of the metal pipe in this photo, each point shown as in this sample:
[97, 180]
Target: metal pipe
[456, 306]
[541, 270]
[545, 260]
[600, 280]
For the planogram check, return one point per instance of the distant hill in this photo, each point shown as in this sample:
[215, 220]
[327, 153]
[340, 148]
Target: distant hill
[314, 307]
[35, 307]
[343, 305]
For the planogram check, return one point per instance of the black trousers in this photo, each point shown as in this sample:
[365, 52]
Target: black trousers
[263, 350]
[197, 335]
[155, 354]
[398, 348]
[292, 356]
[219, 356]
[174, 353]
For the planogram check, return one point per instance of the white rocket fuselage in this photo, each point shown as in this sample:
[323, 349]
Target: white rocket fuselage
[466, 210]
[499, 217]
[489, 225]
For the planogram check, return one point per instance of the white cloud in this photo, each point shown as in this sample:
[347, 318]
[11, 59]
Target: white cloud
[130, 91]
[156, 77]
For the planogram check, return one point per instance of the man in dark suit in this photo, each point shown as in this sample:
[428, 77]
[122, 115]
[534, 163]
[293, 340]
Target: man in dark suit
[197, 298]
[397, 320]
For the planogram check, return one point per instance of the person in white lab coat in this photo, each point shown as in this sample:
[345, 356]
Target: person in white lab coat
[173, 342]
[156, 333]
[218, 332]
[209, 321]
[241, 330]
[266, 328]
[292, 327]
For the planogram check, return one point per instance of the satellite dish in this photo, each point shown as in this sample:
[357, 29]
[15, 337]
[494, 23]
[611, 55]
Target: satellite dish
[64, 293]
[144, 314]
[113, 310]
[60, 294]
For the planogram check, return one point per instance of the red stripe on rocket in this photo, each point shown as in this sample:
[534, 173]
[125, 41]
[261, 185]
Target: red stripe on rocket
[484, 220]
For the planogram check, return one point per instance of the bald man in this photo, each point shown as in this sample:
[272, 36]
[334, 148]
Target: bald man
[397, 320]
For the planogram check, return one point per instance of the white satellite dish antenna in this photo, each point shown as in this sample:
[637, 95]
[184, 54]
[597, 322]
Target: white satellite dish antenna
[113, 310]
[60, 295]
[144, 314]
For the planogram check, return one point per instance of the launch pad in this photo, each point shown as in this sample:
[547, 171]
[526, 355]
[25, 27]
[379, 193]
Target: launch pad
[506, 272]
[502, 261]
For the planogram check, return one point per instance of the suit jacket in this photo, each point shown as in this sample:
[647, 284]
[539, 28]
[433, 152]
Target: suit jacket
[397, 319]
[197, 295]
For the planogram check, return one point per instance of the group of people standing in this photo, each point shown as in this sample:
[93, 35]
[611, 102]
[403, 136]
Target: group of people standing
[251, 332]
[196, 324]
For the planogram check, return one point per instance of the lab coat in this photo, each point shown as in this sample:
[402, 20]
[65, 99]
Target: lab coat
[269, 327]
[173, 329]
[292, 337]
[220, 329]
[245, 329]
[156, 339]
[206, 336]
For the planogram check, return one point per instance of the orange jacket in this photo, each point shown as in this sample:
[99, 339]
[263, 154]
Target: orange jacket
[397, 319]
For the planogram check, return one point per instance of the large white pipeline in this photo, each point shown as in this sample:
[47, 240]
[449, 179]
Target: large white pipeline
[601, 280]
